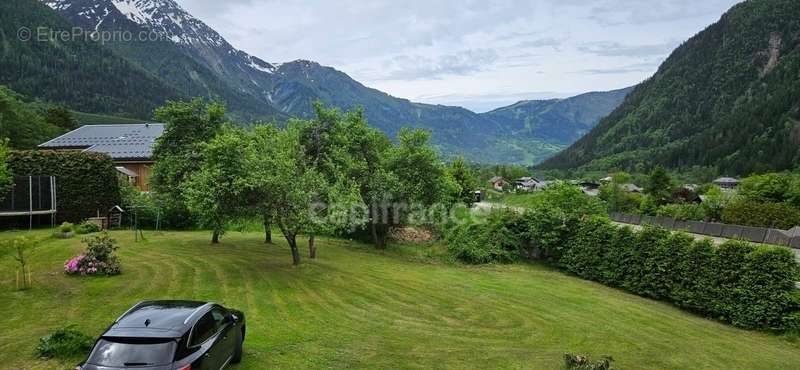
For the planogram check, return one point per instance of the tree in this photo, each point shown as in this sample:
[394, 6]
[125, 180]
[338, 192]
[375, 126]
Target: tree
[771, 187]
[259, 191]
[278, 167]
[61, 117]
[466, 180]
[6, 179]
[213, 193]
[621, 177]
[177, 153]
[714, 203]
[321, 149]
[416, 179]
[659, 185]
[21, 124]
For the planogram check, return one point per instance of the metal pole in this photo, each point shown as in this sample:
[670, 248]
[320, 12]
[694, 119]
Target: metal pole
[30, 202]
[55, 200]
[52, 201]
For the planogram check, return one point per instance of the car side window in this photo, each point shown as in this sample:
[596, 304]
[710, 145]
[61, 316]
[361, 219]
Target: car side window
[205, 328]
[219, 315]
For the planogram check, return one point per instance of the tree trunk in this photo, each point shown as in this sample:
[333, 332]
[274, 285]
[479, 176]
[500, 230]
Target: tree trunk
[267, 229]
[215, 237]
[379, 236]
[292, 240]
[312, 247]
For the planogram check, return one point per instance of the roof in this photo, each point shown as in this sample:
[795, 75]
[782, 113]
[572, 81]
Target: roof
[120, 142]
[126, 171]
[158, 319]
[726, 180]
[632, 188]
[496, 179]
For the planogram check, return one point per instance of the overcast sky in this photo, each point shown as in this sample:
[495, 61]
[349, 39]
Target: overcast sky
[477, 54]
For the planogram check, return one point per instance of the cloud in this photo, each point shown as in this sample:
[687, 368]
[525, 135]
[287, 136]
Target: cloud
[541, 43]
[412, 67]
[417, 48]
[636, 12]
[631, 68]
[615, 49]
[480, 103]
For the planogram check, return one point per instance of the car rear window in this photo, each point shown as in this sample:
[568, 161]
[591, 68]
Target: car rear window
[131, 353]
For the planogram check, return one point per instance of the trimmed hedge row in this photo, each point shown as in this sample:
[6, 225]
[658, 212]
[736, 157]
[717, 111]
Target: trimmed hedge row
[746, 285]
[749, 286]
[85, 182]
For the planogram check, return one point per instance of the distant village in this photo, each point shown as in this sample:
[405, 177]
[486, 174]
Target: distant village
[592, 188]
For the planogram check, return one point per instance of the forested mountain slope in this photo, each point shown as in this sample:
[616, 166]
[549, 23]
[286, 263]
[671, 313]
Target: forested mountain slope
[76, 72]
[728, 98]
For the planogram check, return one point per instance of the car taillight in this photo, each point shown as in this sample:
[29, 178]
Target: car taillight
[187, 367]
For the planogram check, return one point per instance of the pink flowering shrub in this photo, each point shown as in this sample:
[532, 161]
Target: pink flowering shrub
[98, 259]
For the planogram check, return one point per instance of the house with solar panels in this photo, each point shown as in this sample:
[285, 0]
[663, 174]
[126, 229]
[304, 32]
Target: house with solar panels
[130, 146]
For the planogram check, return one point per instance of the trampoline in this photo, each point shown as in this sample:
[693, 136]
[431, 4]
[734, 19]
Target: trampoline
[30, 196]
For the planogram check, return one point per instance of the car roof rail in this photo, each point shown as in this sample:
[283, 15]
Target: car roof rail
[197, 310]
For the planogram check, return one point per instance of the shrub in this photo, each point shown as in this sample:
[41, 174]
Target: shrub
[683, 212]
[587, 250]
[544, 232]
[491, 241]
[619, 257]
[752, 213]
[581, 362]
[97, 259]
[737, 282]
[771, 187]
[619, 200]
[767, 288]
[86, 182]
[66, 228]
[87, 227]
[694, 282]
[64, 343]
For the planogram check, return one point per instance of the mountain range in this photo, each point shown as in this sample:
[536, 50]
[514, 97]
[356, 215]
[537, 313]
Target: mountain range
[726, 101]
[182, 57]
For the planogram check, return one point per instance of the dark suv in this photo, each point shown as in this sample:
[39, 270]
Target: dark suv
[170, 335]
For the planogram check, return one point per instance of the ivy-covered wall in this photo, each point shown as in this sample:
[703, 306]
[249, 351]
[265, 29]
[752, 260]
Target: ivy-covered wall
[86, 183]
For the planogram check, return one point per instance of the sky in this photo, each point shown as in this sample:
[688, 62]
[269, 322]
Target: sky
[477, 54]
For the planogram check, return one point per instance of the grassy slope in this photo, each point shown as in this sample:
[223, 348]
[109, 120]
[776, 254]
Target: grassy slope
[97, 119]
[355, 307]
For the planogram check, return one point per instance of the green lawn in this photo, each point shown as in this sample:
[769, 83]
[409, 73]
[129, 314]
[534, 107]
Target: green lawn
[355, 307]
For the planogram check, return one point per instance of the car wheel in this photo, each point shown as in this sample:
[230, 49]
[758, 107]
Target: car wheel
[237, 353]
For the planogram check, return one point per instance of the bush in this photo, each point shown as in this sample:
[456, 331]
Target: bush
[492, 241]
[683, 212]
[588, 248]
[581, 362]
[64, 343]
[619, 200]
[759, 214]
[737, 282]
[544, 231]
[66, 228]
[86, 182]
[97, 259]
[87, 227]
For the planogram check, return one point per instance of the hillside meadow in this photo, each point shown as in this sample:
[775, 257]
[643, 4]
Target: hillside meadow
[355, 307]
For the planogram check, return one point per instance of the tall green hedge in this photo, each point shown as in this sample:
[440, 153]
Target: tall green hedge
[746, 285]
[749, 286]
[85, 182]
